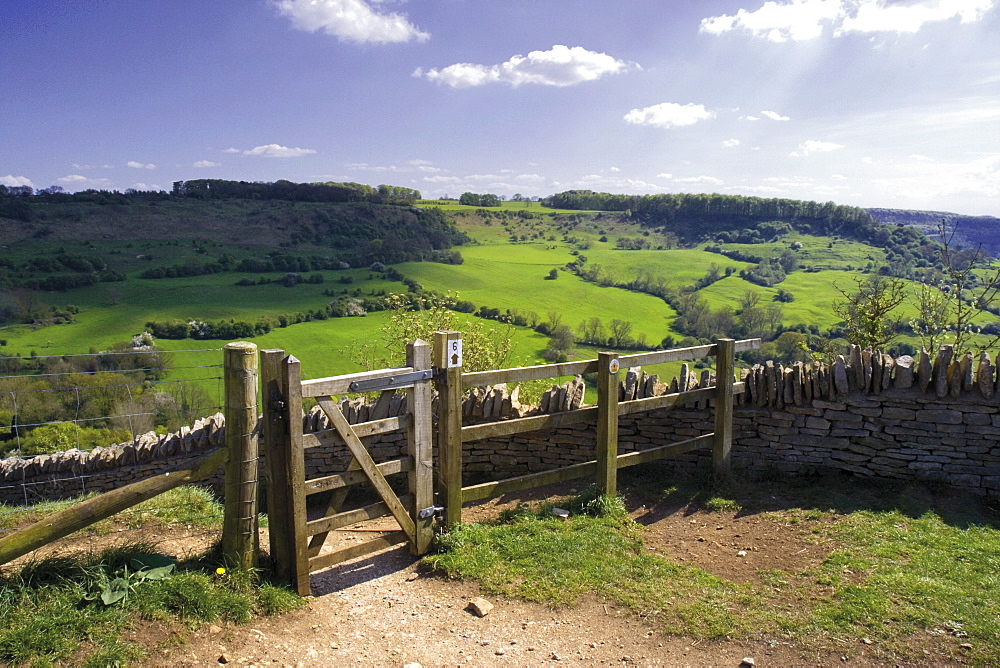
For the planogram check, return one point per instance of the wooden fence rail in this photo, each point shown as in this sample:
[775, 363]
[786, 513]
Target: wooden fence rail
[451, 381]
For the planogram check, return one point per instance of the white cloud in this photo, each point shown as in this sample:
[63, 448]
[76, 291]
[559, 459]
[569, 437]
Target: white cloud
[665, 175]
[559, 66]
[442, 179]
[669, 115]
[139, 165]
[350, 21]
[749, 118]
[76, 166]
[12, 181]
[798, 20]
[365, 167]
[838, 177]
[878, 16]
[775, 116]
[206, 163]
[811, 146]
[926, 181]
[731, 143]
[701, 179]
[278, 151]
[80, 180]
[778, 21]
[232, 150]
[921, 158]
[607, 183]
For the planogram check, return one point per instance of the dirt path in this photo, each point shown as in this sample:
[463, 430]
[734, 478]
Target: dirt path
[385, 610]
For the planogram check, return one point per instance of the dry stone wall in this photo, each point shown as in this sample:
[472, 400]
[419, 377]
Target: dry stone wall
[924, 418]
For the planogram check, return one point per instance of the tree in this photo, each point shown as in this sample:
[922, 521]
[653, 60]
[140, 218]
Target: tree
[561, 343]
[868, 310]
[792, 347]
[553, 275]
[592, 331]
[484, 346]
[963, 295]
[620, 333]
[932, 321]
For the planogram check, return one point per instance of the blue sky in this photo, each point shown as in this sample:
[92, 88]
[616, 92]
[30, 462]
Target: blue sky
[883, 103]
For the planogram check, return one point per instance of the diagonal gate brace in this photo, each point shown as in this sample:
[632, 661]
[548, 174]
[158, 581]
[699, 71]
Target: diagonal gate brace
[367, 464]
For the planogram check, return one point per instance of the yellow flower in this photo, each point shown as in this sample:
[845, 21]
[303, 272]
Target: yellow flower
[220, 571]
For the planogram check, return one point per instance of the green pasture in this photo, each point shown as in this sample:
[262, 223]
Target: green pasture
[817, 252]
[678, 266]
[514, 277]
[216, 296]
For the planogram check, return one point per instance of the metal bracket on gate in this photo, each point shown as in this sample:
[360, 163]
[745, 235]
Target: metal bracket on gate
[391, 382]
[431, 511]
[276, 405]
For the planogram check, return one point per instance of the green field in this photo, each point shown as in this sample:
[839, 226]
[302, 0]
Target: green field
[514, 277]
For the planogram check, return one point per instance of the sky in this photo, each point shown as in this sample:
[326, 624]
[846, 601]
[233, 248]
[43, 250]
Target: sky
[875, 103]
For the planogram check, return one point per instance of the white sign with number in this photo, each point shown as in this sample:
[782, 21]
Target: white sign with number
[455, 353]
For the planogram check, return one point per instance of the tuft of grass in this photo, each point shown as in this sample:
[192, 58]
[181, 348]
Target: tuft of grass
[51, 611]
[719, 503]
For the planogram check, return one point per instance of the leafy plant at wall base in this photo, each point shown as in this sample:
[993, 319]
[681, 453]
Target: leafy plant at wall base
[146, 567]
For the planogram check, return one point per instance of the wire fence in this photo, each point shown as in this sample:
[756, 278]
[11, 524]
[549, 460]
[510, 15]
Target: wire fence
[99, 398]
[53, 404]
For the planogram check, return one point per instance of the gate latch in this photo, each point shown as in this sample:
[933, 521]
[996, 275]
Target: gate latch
[431, 511]
[392, 382]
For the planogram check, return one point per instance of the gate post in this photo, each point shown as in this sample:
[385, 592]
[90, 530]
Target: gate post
[607, 423]
[725, 361]
[285, 474]
[448, 379]
[420, 444]
[239, 524]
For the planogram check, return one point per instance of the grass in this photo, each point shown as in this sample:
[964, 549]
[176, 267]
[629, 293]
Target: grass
[903, 562]
[57, 610]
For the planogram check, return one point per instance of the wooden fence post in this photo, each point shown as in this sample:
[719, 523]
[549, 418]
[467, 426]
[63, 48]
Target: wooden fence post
[448, 379]
[725, 362]
[607, 423]
[239, 524]
[420, 444]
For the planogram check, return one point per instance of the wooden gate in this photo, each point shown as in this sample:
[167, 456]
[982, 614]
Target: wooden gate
[295, 539]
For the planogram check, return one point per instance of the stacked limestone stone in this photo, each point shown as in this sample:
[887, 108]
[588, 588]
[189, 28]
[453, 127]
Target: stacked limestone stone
[870, 372]
[73, 472]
